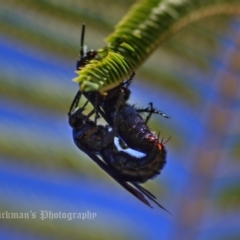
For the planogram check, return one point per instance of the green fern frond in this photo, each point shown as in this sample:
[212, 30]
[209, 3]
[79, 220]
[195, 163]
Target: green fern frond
[139, 33]
[104, 73]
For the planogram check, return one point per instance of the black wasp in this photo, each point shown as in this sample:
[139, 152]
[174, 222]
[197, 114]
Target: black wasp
[128, 125]
[93, 140]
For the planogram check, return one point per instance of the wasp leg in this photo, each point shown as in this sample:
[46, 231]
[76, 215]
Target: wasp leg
[129, 81]
[109, 138]
[96, 109]
[75, 102]
[151, 110]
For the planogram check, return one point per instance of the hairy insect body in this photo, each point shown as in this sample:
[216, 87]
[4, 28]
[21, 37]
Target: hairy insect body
[129, 126]
[134, 169]
[136, 135]
[133, 130]
[89, 136]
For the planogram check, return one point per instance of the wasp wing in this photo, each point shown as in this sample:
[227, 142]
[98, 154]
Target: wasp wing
[139, 194]
[149, 195]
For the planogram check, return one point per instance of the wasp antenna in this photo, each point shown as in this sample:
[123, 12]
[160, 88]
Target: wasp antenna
[82, 40]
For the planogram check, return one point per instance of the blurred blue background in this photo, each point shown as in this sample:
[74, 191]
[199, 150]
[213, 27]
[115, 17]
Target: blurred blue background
[193, 77]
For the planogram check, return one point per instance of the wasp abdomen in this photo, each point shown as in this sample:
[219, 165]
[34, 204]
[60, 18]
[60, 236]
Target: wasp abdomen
[134, 169]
